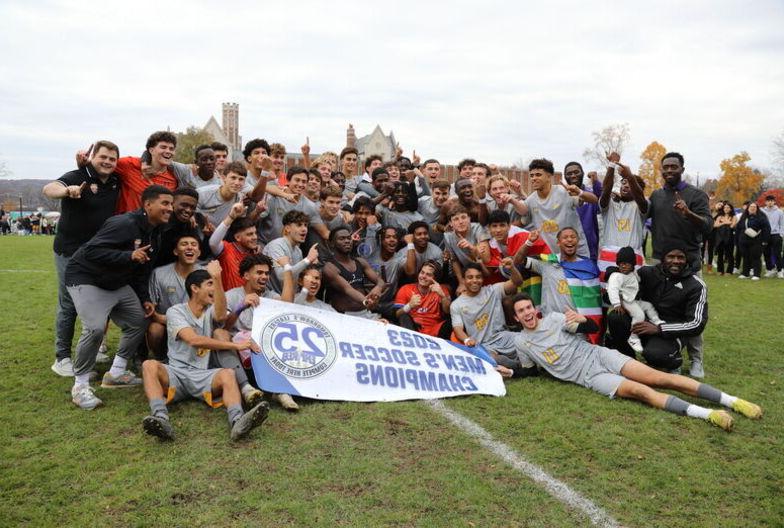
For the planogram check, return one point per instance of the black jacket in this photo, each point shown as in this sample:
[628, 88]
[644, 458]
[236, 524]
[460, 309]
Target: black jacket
[758, 222]
[105, 260]
[682, 302]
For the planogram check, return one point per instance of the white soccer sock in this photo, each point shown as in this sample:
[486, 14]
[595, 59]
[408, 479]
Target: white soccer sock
[82, 379]
[727, 400]
[695, 411]
[118, 366]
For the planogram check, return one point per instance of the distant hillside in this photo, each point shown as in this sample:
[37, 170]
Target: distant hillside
[29, 191]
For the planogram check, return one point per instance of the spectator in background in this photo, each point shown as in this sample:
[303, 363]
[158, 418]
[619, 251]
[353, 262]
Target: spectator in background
[753, 233]
[773, 257]
[724, 226]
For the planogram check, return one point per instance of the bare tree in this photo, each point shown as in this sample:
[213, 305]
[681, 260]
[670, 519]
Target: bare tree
[612, 138]
[777, 154]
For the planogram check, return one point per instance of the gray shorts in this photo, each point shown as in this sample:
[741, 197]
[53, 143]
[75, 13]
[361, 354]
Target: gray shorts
[603, 373]
[191, 382]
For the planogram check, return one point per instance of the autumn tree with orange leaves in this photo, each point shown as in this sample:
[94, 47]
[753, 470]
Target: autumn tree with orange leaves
[738, 181]
[650, 168]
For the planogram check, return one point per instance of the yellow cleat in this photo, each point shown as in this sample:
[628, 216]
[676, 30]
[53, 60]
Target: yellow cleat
[747, 409]
[721, 419]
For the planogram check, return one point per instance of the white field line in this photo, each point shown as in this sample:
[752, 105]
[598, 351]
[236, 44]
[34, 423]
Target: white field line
[554, 487]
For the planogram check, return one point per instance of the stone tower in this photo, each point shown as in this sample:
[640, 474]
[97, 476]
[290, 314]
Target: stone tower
[351, 137]
[231, 124]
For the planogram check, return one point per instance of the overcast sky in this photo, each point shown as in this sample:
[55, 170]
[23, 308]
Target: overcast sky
[497, 81]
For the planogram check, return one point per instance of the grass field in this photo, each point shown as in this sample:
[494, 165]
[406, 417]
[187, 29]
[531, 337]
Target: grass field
[397, 464]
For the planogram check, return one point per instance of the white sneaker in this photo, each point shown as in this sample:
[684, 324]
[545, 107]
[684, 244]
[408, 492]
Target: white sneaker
[696, 370]
[780, 274]
[755, 278]
[635, 343]
[742, 277]
[84, 397]
[735, 271]
[770, 273]
[63, 367]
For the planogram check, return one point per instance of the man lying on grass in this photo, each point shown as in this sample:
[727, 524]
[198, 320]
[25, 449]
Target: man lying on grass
[553, 344]
[190, 327]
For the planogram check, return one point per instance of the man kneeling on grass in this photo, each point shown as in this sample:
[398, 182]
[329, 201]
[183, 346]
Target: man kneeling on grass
[553, 344]
[190, 327]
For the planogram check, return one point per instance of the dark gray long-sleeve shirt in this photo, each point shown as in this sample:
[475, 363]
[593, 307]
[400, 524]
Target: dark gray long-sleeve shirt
[668, 226]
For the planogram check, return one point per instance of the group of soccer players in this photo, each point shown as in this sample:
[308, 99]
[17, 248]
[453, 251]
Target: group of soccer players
[178, 255]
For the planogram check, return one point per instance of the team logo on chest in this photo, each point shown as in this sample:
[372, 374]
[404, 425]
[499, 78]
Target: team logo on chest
[298, 346]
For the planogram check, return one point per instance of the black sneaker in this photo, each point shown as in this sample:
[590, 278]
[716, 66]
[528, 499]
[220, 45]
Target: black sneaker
[249, 421]
[158, 426]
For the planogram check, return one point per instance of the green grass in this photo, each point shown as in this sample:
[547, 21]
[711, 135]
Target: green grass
[347, 464]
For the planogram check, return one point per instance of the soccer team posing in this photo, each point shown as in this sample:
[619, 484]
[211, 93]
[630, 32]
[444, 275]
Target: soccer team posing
[178, 255]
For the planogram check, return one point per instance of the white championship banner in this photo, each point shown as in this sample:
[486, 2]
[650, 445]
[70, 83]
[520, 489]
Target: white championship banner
[331, 356]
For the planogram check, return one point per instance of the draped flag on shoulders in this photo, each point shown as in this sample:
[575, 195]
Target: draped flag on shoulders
[582, 276]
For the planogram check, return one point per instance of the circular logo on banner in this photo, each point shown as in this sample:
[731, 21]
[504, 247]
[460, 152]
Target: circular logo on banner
[298, 346]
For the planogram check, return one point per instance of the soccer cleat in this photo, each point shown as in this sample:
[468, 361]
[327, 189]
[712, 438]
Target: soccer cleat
[158, 426]
[63, 367]
[747, 409]
[249, 421]
[754, 278]
[84, 397]
[286, 401]
[780, 274]
[696, 370]
[770, 273]
[126, 379]
[742, 276]
[251, 395]
[721, 419]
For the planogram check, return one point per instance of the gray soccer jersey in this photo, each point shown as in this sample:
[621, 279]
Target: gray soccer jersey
[272, 224]
[568, 356]
[556, 296]
[282, 247]
[624, 225]
[235, 297]
[481, 315]
[430, 213]
[476, 234]
[167, 288]
[181, 354]
[212, 205]
[551, 215]
[431, 252]
[188, 179]
[302, 299]
[389, 270]
[399, 219]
